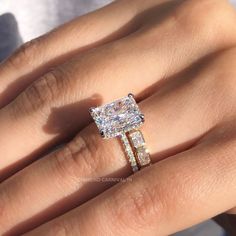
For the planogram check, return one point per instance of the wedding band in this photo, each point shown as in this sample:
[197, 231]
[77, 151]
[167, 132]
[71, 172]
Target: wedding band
[139, 145]
[122, 118]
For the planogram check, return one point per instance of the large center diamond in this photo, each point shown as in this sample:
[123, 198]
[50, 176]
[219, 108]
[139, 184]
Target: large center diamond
[117, 117]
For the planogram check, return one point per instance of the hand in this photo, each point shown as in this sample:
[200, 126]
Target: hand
[178, 58]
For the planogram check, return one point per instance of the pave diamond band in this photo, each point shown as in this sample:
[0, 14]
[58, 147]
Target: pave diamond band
[122, 118]
[129, 152]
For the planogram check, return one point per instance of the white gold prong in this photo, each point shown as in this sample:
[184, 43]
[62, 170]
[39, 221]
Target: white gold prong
[102, 134]
[142, 117]
[91, 109]
[130, 95]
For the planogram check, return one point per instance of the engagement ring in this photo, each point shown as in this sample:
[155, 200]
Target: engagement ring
[122, 118]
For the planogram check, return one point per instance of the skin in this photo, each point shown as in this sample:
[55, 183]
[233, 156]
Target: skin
[178, 58]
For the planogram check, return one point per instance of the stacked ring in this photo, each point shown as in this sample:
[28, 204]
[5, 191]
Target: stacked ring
[122, 118]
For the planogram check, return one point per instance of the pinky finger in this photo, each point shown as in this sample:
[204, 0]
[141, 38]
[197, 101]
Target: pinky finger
[167, 197]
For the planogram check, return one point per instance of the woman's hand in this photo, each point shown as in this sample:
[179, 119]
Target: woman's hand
[179, 59]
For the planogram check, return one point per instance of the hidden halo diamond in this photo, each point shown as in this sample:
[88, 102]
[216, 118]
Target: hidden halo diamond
[119, 119]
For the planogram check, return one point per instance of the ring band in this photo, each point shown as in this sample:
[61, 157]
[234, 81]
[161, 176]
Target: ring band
[129, 152]
[122, 118]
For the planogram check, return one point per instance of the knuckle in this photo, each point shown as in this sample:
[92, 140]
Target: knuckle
[137, 209]
[39, 95]
[26, 54]
[59, 228]
[81, 157]
[85, 154]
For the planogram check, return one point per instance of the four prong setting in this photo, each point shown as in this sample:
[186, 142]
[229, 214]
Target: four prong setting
[142, 117]
[131, 95]
[118, 117]
[102, 134]
[91, 109]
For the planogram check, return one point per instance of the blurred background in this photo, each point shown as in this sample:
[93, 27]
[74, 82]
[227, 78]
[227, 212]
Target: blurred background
[24, 20]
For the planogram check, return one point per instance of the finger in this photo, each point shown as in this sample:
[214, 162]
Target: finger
[167, 197]
[39, 55]
[50, 107]
[86, 32]
[68, 177]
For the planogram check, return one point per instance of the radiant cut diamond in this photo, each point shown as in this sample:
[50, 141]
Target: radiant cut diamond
[137, 139]
[118, 117]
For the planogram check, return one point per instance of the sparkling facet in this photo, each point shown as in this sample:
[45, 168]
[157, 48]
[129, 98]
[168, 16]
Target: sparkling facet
[129, 152]
[137, 139]
[117, 117]
[143, 156]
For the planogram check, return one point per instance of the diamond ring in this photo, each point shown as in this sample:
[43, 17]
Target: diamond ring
[122, 118]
